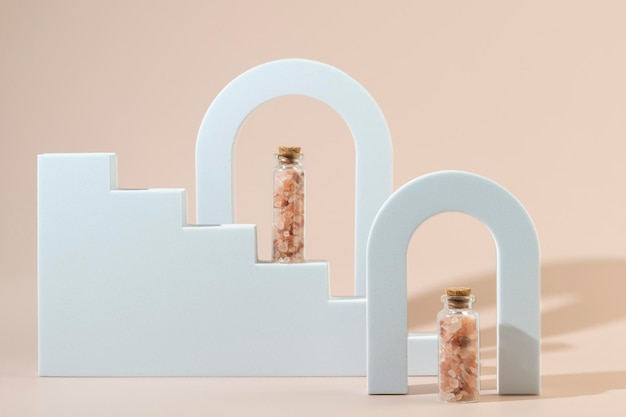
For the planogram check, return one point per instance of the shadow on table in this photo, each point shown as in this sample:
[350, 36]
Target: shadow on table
[575, 296]
[567, 385]
[553, 386]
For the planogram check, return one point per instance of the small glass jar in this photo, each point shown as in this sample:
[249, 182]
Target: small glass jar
[288, 214]
[459, 354]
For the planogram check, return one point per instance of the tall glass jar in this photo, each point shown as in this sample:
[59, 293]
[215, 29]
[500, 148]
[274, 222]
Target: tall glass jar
[288, 218]
[459, 355]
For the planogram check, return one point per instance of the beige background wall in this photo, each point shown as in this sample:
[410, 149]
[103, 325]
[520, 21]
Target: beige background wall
[530, 94]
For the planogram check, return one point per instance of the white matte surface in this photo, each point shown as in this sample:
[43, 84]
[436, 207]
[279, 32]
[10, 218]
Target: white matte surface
[127, 288]
[372, 142]
[518, 278]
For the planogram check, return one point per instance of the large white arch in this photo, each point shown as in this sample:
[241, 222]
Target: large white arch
[218, 131]
[518, 277]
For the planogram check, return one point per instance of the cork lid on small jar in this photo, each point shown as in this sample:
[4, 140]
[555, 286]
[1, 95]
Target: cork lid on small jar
[459, 297]
[458, 291]
[291, 152]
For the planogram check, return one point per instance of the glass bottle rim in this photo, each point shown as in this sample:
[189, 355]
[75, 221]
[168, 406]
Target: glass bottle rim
[458, 302]
[286, 160]
[470, 297]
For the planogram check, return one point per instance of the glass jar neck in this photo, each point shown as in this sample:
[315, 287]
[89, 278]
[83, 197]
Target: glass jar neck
[288, 160]
[458, 302]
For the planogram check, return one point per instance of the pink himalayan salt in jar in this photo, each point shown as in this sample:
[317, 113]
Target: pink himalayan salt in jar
[459, 356]
[288, 214]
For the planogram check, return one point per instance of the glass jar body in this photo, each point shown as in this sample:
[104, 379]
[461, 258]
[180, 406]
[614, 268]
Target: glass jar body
[459, 350]
[288, 210]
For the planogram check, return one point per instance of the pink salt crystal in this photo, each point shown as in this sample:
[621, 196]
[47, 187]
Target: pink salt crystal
[282, 246]
[454, 326]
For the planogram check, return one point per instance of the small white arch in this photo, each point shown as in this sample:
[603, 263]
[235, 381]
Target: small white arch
[518, 277]
[218, 132]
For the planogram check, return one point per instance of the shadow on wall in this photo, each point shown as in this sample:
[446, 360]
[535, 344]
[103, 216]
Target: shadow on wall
[574, 297]
[581, 286]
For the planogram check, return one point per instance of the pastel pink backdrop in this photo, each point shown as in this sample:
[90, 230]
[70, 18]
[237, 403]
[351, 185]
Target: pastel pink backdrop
[529, 94]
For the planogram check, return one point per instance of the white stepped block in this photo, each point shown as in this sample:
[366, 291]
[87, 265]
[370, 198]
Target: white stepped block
[126, 289]
[423, 354]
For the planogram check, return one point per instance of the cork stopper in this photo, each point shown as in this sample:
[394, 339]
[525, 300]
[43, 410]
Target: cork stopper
[458, 291]
[289, 152]
[458, 297]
